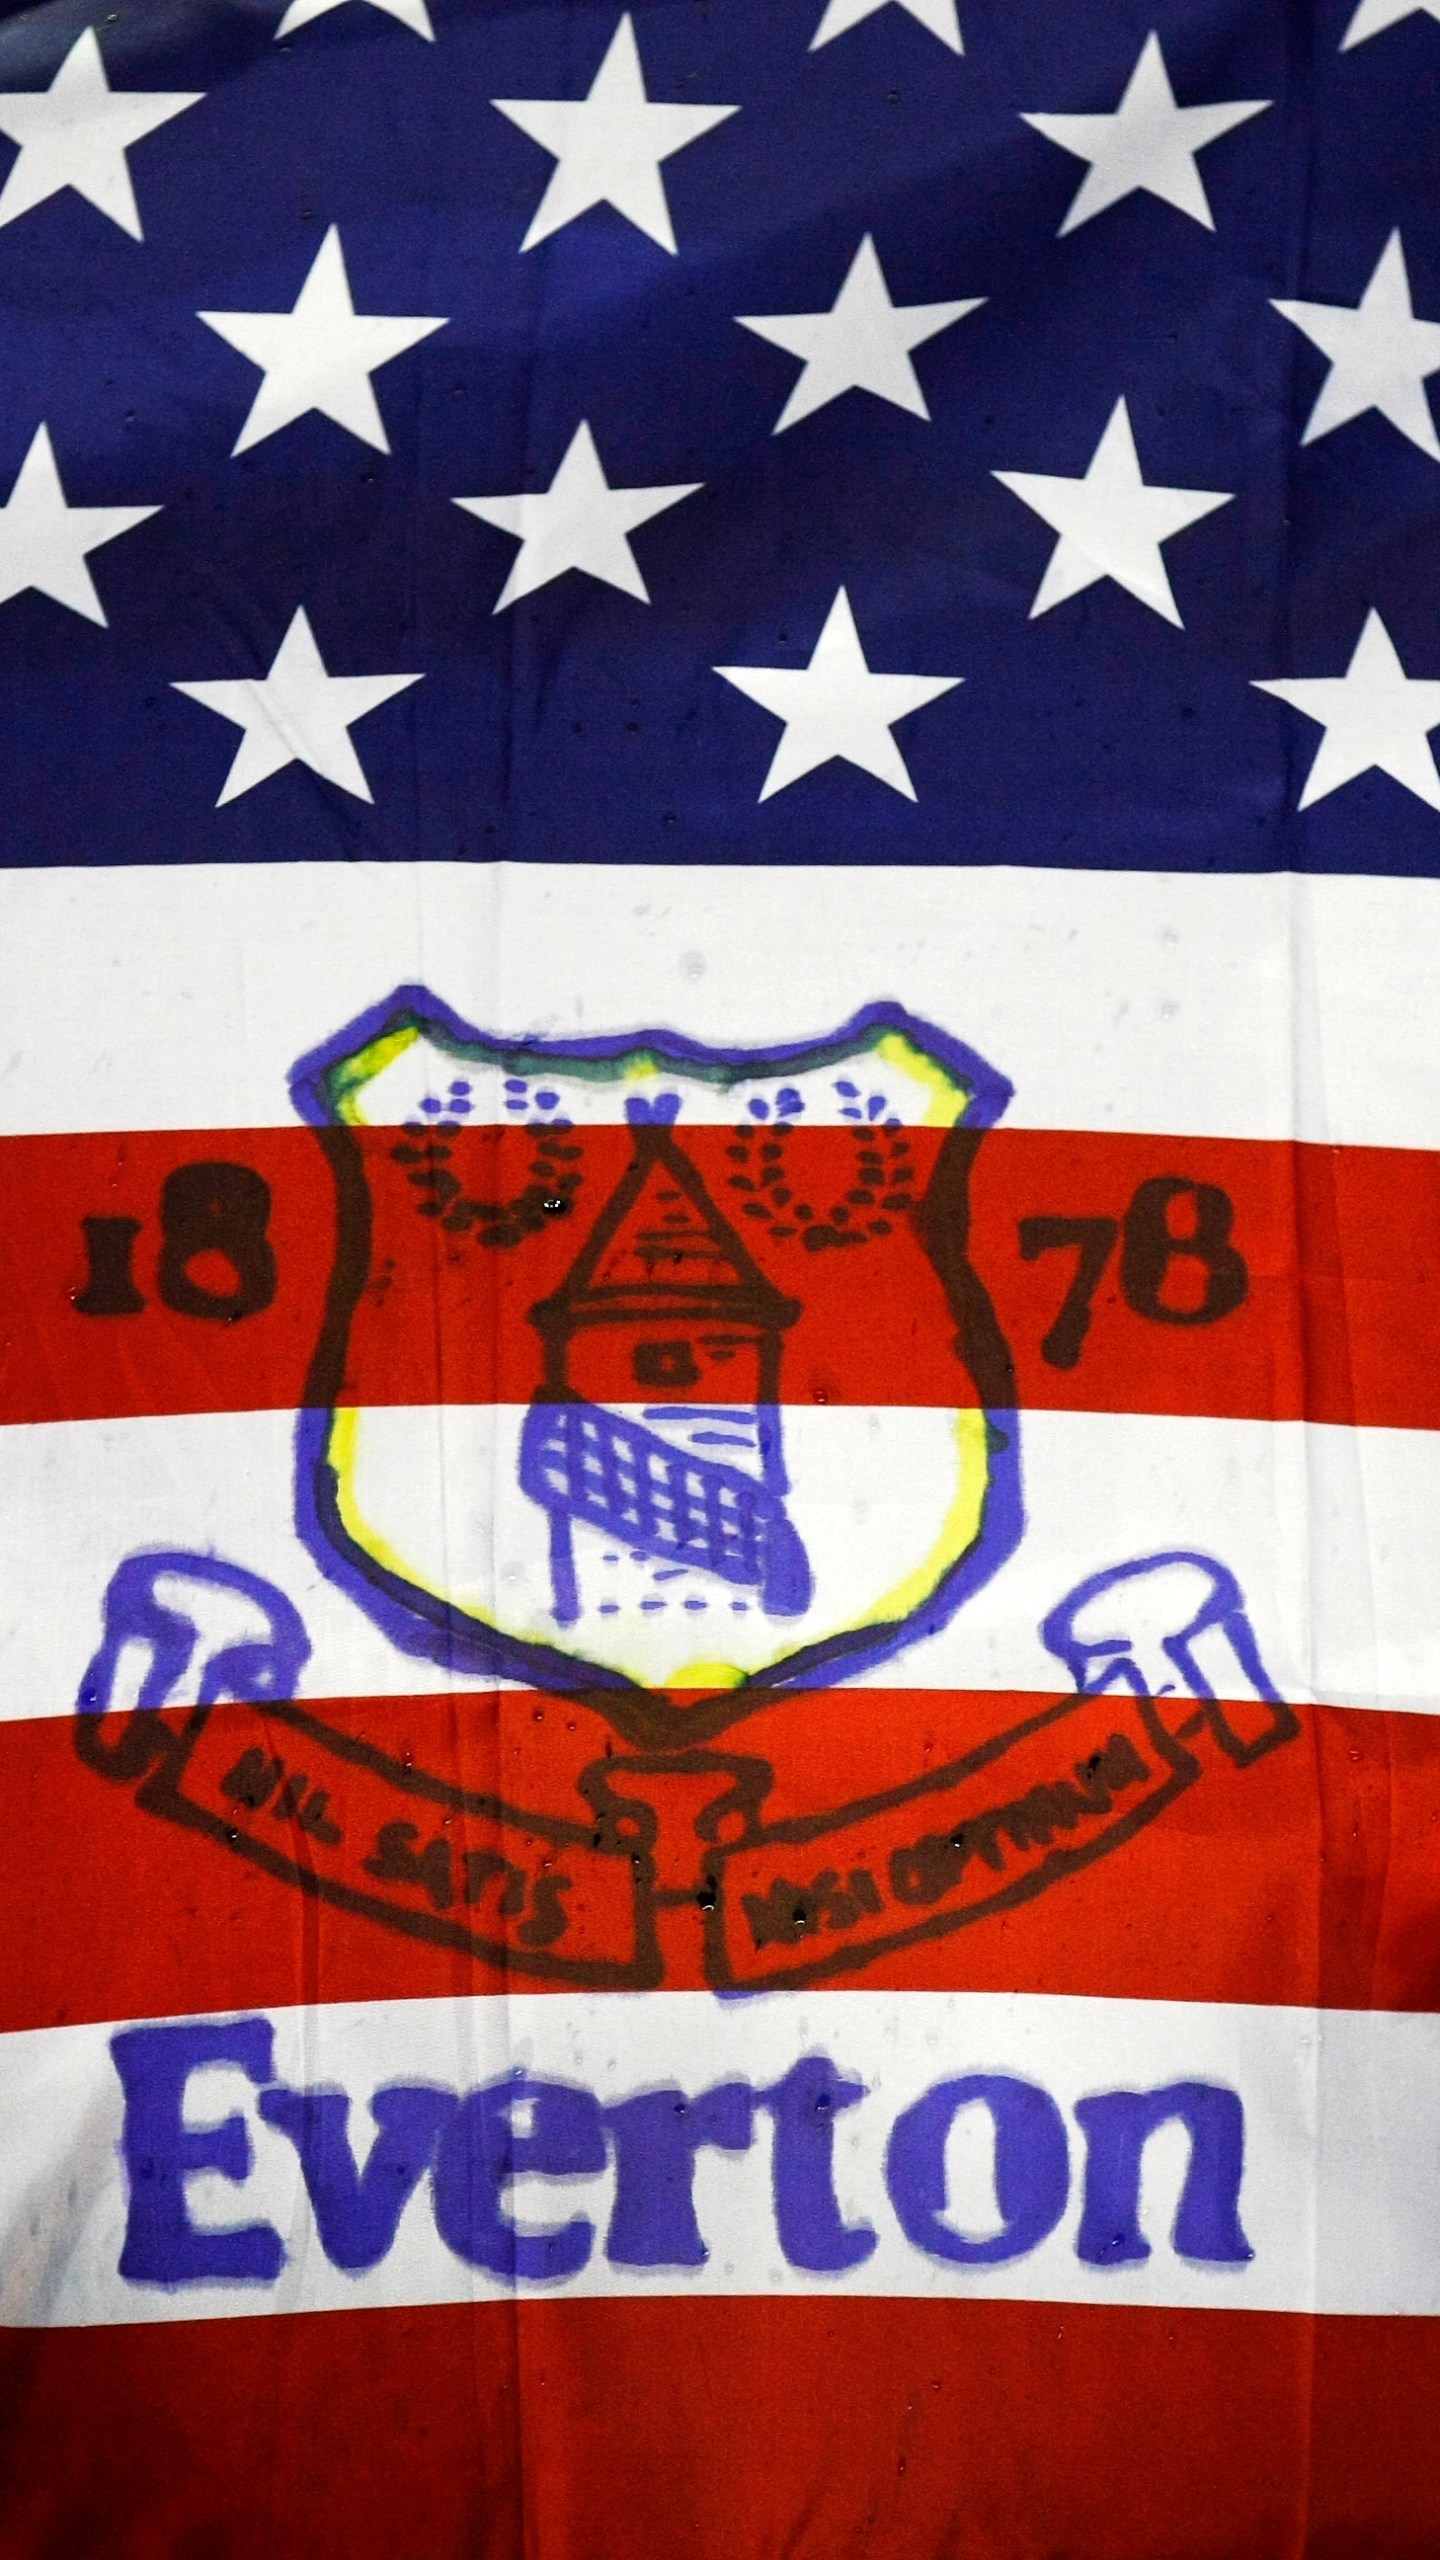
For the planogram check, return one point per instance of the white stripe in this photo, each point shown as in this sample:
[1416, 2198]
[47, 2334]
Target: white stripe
[1337, 2198]
[1264, 1007]
[1330, 1531]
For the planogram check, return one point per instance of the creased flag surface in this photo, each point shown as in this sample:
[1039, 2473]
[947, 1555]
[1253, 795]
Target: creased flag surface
[719, 1243]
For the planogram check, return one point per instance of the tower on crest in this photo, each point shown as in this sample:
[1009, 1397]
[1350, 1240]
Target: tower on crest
[665, 1302]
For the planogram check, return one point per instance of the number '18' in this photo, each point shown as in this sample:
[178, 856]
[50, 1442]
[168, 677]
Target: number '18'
[216, 1259]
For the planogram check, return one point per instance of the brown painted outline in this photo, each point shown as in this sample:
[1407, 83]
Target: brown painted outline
[624, 1825]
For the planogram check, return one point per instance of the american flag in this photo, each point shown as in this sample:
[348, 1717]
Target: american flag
[721, 1439]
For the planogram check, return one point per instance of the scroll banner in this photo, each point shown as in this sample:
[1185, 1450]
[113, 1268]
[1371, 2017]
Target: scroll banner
[576, 1898]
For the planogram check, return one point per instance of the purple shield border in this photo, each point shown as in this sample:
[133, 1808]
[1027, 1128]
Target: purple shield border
[418, 1623]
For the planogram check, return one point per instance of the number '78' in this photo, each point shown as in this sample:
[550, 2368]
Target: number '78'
[1148, 1246]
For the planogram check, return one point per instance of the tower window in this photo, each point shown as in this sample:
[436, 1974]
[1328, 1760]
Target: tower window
[664, 1364]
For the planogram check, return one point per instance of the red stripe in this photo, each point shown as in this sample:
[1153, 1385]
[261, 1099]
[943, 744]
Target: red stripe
[1342, 1247]
[1309, 1877]
[622, 2431]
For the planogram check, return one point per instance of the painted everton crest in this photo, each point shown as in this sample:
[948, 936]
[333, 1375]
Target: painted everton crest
[651, 1368]
[657, 1377]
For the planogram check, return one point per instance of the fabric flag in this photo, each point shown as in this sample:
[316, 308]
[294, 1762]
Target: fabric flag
[719, 1408]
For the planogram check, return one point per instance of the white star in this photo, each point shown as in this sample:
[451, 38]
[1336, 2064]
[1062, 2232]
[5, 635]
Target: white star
[1112, 523]
[43, 541]
[579, 522]
[1375, 718]
[297, 714]
[608, 147]
[837, 707]
[1379, 354]
[939, 16]
[320, 355]
[76, 134]
[1373, 16]
[1148, 142]
[862, 343]
[411, 13]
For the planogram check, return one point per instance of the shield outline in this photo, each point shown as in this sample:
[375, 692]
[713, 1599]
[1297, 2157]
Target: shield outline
[422, 1623]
